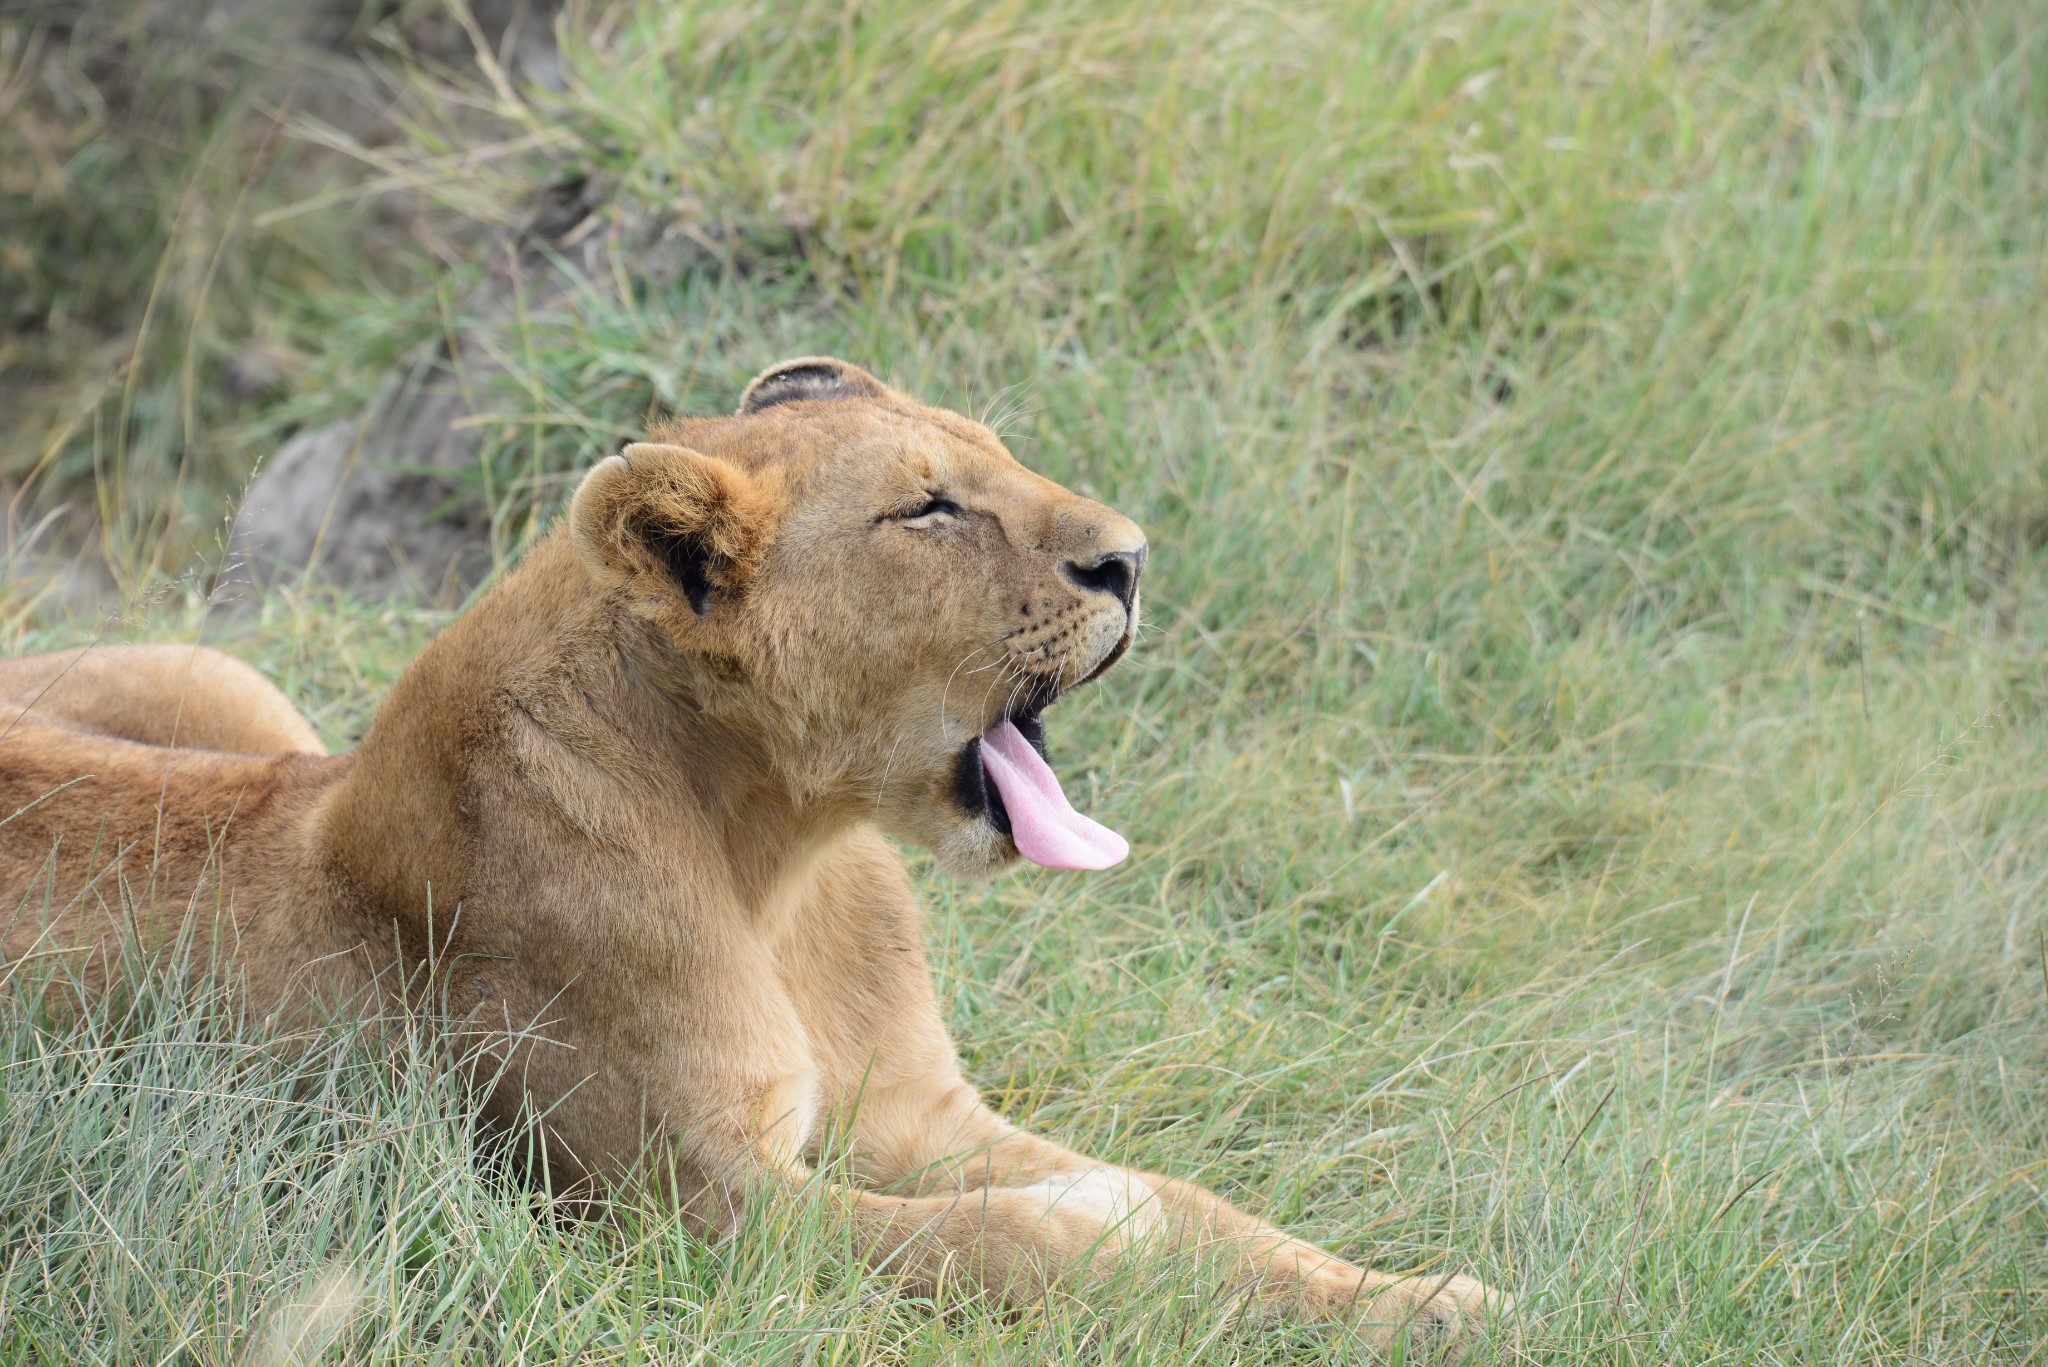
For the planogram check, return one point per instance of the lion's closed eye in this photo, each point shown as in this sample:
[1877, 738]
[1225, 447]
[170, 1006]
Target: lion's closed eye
[921, 510]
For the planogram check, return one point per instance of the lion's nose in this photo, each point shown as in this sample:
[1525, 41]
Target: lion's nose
[1112, 572]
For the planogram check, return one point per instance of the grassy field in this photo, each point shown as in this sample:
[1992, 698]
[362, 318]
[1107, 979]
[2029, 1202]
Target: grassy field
[1586, 764]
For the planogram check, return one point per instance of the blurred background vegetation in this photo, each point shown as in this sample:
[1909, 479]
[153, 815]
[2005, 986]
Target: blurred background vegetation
[1586, 759]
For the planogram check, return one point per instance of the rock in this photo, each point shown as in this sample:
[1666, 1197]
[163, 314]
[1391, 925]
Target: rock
[360, 502]
[378, 503]
[387, 500]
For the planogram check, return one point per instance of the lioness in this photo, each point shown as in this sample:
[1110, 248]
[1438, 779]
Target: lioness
[625, 815]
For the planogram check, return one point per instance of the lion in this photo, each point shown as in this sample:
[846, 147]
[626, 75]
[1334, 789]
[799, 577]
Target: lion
[626, 817]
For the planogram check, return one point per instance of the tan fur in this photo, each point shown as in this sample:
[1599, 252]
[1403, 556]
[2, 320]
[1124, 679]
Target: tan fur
[635, 846]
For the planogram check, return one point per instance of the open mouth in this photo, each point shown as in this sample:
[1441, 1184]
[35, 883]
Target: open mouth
[1002, 776]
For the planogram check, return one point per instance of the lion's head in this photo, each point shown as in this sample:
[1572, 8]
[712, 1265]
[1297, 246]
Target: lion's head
[873, 601]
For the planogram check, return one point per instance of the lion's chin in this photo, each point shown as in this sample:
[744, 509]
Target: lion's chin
[974, 850]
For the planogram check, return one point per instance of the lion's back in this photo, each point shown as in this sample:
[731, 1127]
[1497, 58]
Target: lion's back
[161, 694]
[103, 838]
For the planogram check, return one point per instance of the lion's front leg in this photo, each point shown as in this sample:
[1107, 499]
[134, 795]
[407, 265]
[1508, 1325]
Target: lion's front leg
[709, 1121]
[940, 1136]
[1448, 1313]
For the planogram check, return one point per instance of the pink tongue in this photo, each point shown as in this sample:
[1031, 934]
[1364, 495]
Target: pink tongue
[1044, 824]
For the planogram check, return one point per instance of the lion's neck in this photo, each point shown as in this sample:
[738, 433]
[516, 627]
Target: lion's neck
[712, 793]
[528, 701]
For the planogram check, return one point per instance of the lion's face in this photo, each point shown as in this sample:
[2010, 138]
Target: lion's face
[877, 599]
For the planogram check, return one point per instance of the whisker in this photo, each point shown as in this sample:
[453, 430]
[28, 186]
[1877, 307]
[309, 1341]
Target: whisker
[883, 786]
[947, 691]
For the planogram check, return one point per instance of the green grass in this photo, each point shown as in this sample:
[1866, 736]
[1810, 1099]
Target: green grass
[1586, 762]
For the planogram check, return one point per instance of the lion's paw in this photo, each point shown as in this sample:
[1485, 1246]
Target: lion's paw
[1443, 1319]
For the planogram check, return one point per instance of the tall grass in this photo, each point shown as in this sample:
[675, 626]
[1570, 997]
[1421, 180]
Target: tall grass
[1584, 763]
[171, 224]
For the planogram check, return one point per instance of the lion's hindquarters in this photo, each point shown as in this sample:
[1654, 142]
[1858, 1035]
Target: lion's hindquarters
[187, 696]
[110, 848]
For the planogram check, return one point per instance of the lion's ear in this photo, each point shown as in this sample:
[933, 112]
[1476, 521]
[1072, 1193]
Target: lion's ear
[669, 515]
[810, 377]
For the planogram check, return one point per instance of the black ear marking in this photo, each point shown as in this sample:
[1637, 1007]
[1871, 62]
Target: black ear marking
[809, 378]
[688, 559]
[797, 382]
